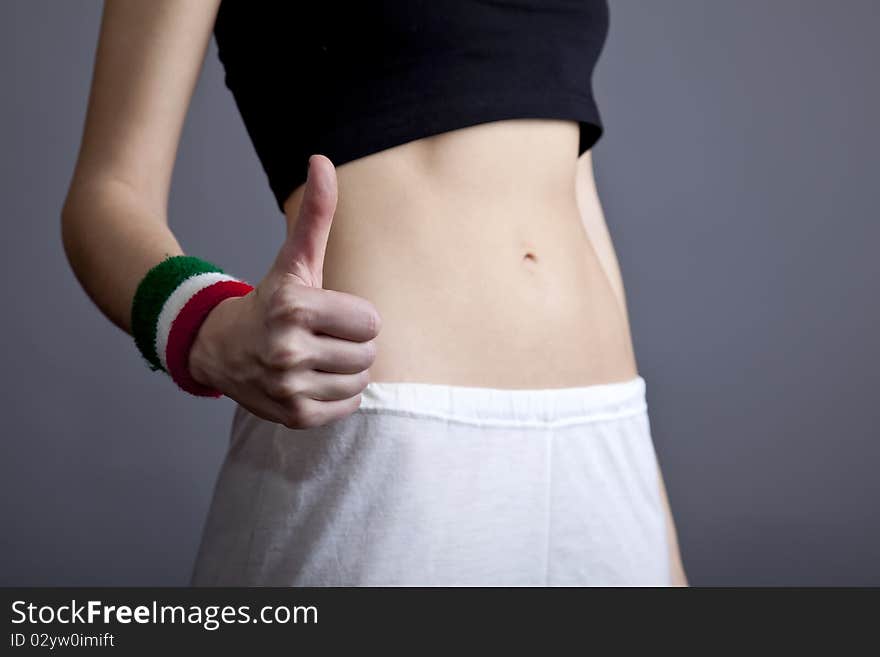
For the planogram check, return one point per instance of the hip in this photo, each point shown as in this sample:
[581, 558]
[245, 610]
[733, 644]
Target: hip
[431, 484]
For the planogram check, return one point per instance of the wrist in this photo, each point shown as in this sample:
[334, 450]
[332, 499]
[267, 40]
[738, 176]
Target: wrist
[170, 306]
[197, 362]
[186, 328]
[203, 356]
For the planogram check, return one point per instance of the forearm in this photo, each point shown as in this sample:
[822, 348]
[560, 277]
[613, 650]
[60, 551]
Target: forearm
[112, 237]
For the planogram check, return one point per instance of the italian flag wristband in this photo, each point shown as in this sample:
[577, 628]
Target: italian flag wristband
[170, 305]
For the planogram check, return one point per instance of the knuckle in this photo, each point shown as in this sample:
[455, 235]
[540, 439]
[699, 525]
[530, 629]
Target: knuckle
[281, 295]
[312, 204]
[362, 357]
[301, 415]
[302, 314]
[364, 379]
[283, 389]
[294, 416]
[286, 304]
[370, 352]
[374, 322]
[284, 354]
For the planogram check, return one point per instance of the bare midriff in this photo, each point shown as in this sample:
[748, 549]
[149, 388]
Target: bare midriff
[472, 246]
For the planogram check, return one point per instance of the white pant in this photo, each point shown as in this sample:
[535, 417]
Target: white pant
[433, 484]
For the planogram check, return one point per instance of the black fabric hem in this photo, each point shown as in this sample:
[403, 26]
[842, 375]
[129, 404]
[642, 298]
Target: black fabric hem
[373, 133]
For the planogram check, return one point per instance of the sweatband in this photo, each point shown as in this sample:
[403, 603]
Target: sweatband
[169, 306]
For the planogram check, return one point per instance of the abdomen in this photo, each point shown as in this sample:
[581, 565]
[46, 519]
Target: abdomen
[471, 246]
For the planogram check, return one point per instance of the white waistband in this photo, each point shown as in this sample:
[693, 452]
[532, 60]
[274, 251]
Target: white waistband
[506, 406]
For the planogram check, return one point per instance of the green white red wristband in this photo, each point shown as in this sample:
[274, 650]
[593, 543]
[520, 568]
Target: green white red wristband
[170, 305]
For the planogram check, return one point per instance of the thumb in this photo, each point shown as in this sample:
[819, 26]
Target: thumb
[302, 253]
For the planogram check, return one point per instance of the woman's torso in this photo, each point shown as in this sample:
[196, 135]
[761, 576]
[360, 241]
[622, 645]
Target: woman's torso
[471, 246]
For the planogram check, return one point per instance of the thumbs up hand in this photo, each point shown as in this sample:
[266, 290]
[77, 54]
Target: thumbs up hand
[290, 351]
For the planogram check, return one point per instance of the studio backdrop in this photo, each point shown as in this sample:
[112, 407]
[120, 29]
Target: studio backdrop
[739, 176]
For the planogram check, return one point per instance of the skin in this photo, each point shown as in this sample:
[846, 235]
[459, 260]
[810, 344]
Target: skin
[503, 267]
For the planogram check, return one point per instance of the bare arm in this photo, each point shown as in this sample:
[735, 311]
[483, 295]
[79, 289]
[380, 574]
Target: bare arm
[114, 222]
[593, 220]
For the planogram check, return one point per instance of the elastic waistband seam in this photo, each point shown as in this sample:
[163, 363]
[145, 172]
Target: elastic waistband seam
[633, 410]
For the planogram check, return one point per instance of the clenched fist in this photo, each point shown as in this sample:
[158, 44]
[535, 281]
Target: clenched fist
[290, 351]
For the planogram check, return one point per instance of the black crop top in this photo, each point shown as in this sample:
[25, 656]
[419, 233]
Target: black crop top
[347, 80]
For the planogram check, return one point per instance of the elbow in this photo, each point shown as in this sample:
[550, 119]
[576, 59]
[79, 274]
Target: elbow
[73, 210]
[80, 212]
[67, 227]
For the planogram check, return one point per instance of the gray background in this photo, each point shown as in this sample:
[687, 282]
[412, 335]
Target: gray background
[739, 176]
